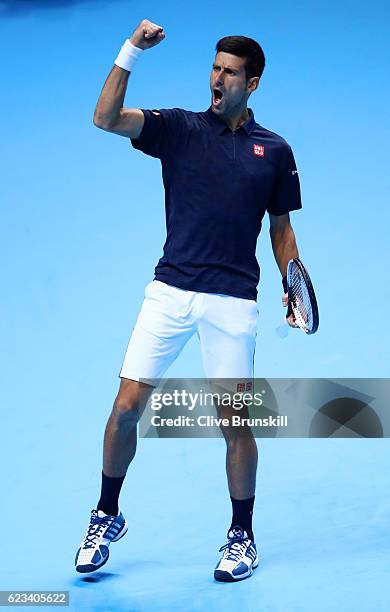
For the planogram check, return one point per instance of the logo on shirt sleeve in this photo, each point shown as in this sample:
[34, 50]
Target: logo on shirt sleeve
[258, 150]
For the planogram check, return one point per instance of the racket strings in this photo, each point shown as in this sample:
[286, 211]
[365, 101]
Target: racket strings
[301, 303]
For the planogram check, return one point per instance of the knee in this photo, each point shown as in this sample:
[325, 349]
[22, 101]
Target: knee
[238, 438]
[125, 410]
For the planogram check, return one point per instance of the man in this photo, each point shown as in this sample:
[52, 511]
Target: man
[222, 172]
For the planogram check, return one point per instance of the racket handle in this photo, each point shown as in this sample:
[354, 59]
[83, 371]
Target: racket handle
[289, 309]
[283, 329]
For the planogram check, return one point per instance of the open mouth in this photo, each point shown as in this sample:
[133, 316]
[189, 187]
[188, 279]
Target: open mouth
[217, 97]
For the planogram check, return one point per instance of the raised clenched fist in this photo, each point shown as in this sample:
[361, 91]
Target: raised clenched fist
[147, 35]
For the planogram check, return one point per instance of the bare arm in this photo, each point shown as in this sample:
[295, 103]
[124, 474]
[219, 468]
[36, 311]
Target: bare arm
[285, 248]
[110, 114]
[283, 241]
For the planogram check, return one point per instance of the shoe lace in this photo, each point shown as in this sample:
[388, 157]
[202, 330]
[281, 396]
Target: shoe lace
[233, 548]
[96, 527]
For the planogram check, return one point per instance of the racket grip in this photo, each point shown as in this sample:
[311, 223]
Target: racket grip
[289, 309]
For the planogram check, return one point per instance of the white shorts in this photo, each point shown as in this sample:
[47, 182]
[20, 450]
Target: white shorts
[226, 327]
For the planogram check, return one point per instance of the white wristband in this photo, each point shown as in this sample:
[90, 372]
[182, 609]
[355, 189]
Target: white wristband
[128, 56]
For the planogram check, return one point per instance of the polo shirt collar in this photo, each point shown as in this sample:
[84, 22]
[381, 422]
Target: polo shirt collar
[221, 126]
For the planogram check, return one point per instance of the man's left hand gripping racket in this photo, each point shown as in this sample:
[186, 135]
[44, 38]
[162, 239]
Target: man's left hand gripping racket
[302, 303]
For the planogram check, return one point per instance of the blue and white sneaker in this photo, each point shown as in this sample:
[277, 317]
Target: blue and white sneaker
[239, 557]
[102, 530]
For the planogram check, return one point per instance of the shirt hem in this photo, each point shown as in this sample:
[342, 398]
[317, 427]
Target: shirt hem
[199, 288]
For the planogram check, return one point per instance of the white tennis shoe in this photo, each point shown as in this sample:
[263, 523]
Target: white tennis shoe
[102, 530]
[239, 557]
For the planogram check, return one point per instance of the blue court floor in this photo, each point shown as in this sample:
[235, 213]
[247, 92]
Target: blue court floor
[83, 231]
[321, 521]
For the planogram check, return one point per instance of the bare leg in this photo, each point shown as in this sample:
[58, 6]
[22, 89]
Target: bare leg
[241, 455]
[120, 437]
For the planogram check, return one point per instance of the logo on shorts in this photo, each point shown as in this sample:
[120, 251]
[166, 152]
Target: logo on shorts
[258, 150]
[241, 387]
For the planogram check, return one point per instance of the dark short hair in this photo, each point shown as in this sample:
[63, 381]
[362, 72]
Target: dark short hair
[242, 46]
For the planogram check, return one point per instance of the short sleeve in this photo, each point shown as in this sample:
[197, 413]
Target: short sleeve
[162, 132]
[286, 193]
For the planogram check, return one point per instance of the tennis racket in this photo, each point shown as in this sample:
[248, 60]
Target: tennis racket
[302, 301]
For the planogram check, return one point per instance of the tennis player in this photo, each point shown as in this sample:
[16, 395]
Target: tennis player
[222, 172]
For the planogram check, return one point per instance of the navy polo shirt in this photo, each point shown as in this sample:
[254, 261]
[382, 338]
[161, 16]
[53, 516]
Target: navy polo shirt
[218, 186]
